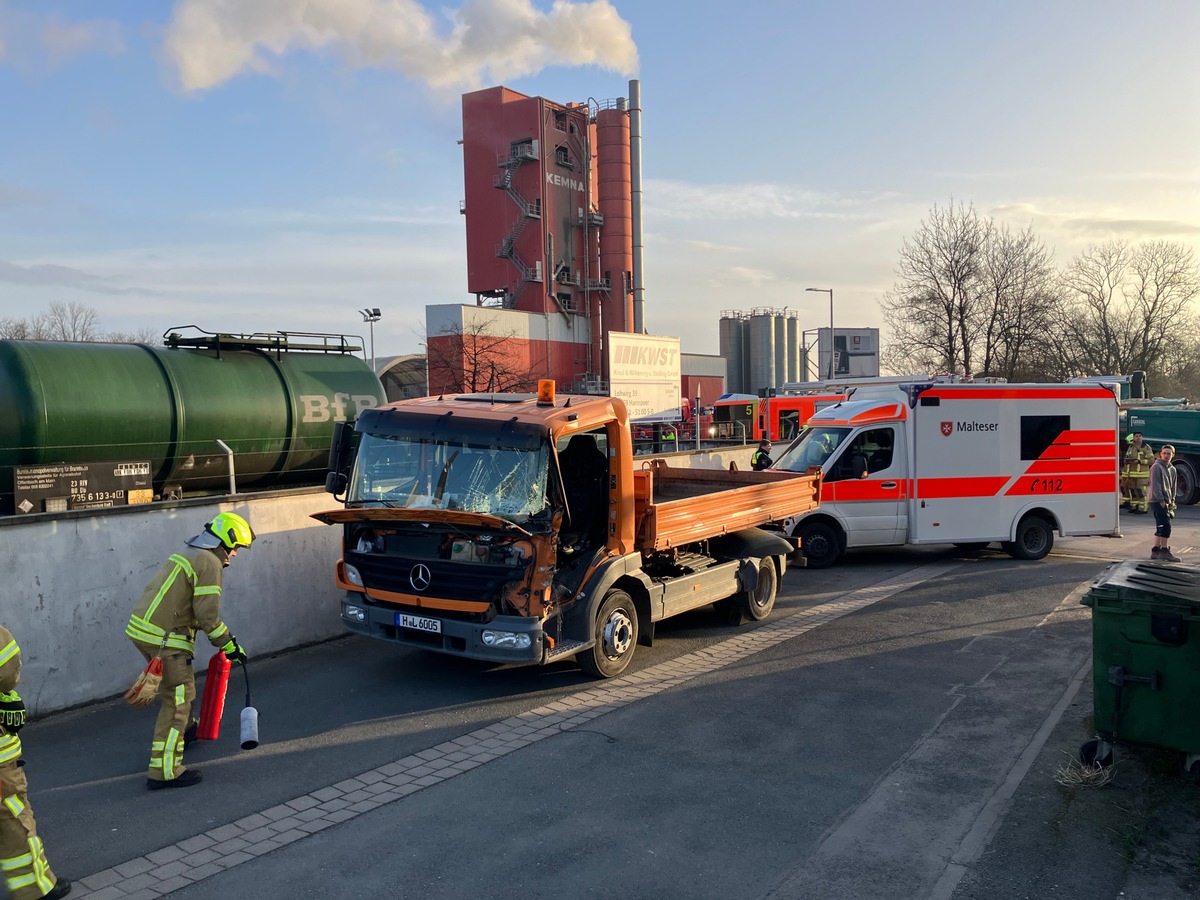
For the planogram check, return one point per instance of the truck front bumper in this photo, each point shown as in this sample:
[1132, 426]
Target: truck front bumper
[515, 640]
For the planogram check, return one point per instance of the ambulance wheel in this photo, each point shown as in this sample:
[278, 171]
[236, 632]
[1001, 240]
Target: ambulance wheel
[616, 637]
[820, 543]
[758, 603]
[1033, 540]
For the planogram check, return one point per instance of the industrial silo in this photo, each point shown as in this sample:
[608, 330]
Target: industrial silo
[793, 348]
[780, 348]
[733, 337]
[760, 350]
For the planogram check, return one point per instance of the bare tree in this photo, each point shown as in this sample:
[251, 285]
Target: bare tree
[933, 309]
[71, 322]
[1127, 307]
[1016, 305]
[476, 358]
[141, 336]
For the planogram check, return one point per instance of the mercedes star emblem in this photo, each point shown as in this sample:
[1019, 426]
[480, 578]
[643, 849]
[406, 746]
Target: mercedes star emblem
[419, 577]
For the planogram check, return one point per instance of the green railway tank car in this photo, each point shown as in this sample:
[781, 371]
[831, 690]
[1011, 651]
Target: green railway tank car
[272, 399]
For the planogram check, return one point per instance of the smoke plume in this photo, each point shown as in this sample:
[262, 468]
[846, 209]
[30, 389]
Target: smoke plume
[483, 41]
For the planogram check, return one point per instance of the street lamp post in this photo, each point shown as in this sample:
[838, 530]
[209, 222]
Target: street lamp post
[828, 291]
[371, 316]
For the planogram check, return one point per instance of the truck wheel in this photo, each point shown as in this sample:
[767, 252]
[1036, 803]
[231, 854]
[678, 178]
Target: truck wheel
[1188, 490]
[1034, 539]
[820, 544]
[616, 637]
[758, 603]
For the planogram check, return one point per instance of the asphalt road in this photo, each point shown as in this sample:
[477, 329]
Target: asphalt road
[892, 730]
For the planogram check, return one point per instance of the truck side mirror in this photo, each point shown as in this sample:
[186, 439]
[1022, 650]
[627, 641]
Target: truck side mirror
[335, 483]
[341, 457]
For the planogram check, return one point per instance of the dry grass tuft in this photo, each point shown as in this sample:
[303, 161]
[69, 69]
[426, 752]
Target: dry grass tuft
[1076, 774]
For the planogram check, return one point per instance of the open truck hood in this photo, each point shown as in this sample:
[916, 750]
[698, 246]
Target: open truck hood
[343, 515]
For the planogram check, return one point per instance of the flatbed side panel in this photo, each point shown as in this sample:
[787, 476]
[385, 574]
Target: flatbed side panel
[673, 523]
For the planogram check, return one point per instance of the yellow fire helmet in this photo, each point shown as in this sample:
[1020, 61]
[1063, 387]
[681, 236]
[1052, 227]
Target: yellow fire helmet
[226, 529]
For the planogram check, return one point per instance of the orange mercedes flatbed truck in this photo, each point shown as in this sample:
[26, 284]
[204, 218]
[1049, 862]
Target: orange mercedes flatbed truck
[516, 528]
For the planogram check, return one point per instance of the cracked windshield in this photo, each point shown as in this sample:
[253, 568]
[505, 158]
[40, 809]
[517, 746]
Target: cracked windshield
[426, 474]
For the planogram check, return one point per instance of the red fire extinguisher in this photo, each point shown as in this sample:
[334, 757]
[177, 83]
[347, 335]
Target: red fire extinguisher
[213, 704]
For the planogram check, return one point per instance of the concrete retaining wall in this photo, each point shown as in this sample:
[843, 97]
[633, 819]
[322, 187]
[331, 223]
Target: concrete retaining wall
[71, 582]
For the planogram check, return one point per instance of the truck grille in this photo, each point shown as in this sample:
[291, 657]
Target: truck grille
[447, 580]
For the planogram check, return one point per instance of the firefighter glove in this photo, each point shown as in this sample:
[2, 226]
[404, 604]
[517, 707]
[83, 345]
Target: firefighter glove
[12, 711]
[233, 651]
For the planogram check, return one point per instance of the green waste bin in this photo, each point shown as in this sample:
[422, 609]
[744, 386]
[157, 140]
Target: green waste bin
[1146, 655]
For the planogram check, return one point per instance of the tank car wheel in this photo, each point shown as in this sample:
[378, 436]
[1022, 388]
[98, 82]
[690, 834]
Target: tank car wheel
[616, 637]
[758, 603]
[1034, 539]
[820, 543]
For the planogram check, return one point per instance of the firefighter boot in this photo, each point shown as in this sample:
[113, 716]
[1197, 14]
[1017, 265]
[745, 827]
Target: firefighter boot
[61, 888]
[187, 779]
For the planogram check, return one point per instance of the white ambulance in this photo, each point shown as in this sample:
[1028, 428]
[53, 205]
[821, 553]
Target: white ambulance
[959, 463]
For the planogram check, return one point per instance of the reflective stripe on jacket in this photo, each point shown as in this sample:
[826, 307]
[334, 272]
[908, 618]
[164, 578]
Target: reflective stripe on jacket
[184, 595]
[10, 677]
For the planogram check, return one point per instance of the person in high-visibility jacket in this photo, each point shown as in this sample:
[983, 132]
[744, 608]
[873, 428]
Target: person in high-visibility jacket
[1138, 458]
[185, 596]
[27, 875]
[1126, 484]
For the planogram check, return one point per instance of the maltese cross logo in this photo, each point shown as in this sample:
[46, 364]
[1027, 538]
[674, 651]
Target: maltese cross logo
[947, 428]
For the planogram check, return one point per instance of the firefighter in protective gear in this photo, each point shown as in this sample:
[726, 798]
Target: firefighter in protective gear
[1138, 458]
[1126, 485]
[185, 595]
[27, 875]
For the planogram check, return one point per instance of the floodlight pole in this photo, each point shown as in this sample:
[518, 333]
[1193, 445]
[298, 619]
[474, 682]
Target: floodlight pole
[371, 316]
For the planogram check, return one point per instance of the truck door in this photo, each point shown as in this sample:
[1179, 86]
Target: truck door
[868, 481]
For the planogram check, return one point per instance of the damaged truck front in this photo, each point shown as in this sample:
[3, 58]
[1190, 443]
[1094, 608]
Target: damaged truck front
[514, 528]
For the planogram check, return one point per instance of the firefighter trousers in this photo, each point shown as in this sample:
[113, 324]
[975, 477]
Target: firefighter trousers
[176, 693]
[1138, 482]
[22, 859]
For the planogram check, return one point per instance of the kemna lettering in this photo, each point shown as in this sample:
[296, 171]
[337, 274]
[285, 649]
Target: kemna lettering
[564, 181]
[646, 356]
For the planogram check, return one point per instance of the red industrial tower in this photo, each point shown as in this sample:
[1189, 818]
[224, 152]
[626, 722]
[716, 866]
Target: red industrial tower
[550, 229]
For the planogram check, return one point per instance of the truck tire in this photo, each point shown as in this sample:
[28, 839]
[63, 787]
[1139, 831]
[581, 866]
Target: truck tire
[616, 637]
[1033, 540]
[820, 543]
[1188, 491]
[758, 603]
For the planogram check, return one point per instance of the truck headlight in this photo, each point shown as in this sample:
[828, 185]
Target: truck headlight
[510, 640]
[354, 613]
[352, 575]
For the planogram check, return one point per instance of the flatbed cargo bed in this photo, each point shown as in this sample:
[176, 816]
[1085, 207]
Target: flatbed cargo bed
[681, 506]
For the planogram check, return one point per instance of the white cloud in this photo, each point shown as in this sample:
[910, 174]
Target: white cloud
[212, 41]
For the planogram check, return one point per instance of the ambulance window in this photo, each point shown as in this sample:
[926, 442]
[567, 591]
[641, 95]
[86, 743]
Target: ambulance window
[1039, 432]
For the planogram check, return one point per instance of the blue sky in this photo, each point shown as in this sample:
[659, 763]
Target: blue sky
[279, 164]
